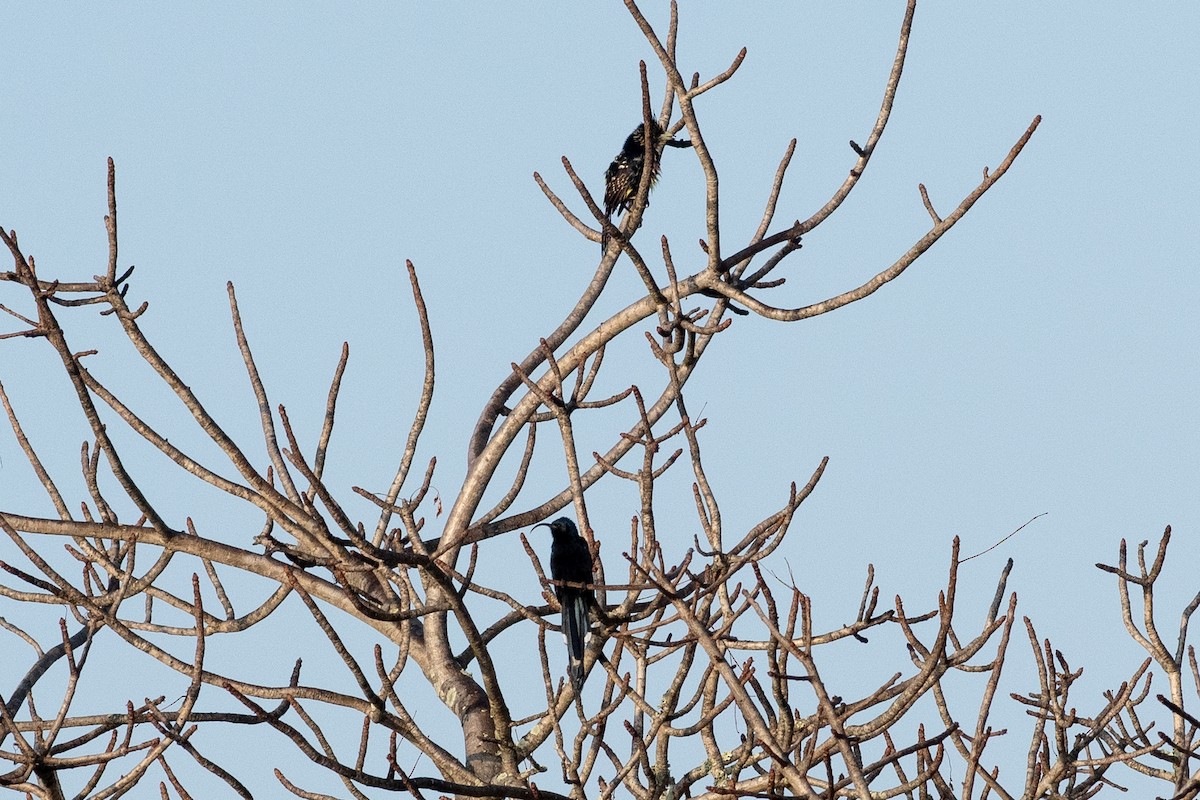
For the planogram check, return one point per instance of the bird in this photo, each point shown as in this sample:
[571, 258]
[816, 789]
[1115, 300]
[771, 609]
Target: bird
[624, 174]
[571, 561]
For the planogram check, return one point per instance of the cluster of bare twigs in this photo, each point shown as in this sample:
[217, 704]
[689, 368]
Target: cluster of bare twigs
[706, 676]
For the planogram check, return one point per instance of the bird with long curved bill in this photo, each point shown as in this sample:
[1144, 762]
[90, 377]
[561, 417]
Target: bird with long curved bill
[571, 562]
[624, 174]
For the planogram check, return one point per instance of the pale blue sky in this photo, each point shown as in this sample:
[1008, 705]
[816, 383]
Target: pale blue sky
[1041, 358]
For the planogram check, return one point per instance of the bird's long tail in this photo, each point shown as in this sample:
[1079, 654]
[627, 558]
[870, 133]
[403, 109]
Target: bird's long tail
[575, 627]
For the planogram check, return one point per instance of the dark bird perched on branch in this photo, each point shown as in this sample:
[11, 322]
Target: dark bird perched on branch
[571, 561]
[623, 175]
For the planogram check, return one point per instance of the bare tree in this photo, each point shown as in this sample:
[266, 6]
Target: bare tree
[704, 673]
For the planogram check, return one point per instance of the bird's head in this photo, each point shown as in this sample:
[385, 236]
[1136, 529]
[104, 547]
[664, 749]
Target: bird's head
[635, 143]
[559, 527]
